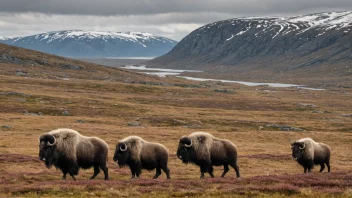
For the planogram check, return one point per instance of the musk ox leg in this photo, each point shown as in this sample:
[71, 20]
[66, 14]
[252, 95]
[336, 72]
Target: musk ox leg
[135, 170]
[157, 173]
[305, 169]
[72, 175]
[322, 167]
[96, 171]
[226, 169]
[106, 172]
[201, 175]
[138, 172]
[210, 171]
[202, 171]
[328, 165]
[206, 168]
[167, 172]
[64, 175]
[237, 169]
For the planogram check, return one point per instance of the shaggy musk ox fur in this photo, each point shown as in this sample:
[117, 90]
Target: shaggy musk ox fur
[205, 150]
[308, 153]
[139, 154]
[69, 151]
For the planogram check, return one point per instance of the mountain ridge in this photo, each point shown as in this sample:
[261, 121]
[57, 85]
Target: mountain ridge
[278, 44]
[79, 43]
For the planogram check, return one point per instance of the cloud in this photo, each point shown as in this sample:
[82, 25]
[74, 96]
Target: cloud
[170, 18]
[170, 25]
[147, 7]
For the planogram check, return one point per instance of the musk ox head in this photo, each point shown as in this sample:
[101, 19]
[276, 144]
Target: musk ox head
[297, 150]
[47, 147]
[122, 154]
[185, 149]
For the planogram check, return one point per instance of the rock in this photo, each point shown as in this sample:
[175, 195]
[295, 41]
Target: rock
[306, 105]
[72, 67]
[15, 94]
[10, 59]
[317, 111]
[179, 122]
[187, 85]
[284, 128]
[346, 115]
[42, 62]
[65, 113]
[20, 73]
[80, 121]
[154, 83]
[134, 124]
[193, 126]
[224, 91]
[25, 112]
[6, 127]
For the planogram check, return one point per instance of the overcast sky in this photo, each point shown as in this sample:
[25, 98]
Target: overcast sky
[170, 18]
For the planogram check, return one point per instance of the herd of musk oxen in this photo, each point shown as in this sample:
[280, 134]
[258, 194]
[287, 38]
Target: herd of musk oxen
[69, 151]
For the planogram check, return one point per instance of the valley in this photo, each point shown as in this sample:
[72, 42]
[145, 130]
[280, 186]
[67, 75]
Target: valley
[45, 92]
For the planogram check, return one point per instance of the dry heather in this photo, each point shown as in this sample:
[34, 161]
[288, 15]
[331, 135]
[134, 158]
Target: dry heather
[162, 110]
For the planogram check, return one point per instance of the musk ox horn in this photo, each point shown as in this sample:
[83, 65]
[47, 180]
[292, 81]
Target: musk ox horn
[121, 149]
[188, 145]
[52, 144]
[304, 146]
[292, 143]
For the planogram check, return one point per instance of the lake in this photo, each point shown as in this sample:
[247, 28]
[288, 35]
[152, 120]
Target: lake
[176, 72]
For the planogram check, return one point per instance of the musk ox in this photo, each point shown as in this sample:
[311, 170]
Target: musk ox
[205, 150]
[69, 151]
[139, 154]
[308, 153]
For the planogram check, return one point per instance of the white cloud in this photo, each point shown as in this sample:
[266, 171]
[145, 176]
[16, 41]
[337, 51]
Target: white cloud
[151, 7]
[24, 24]
[170, 18]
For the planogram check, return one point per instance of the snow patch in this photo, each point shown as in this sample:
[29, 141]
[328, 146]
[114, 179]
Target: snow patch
[230, 38]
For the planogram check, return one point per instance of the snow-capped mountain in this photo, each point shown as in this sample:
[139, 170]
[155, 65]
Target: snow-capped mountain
[322, 22]
[78, 43]
[275, 43]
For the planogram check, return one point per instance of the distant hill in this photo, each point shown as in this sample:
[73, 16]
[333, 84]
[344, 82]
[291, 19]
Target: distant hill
[92, 44]
[16, 61]
[311, 43]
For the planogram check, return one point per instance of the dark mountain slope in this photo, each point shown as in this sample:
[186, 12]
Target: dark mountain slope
[290, 44]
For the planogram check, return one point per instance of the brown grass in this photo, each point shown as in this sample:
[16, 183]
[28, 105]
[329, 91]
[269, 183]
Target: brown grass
[100, 107]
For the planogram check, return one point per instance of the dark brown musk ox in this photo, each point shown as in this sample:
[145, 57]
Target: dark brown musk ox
[69, 151]
[139, 154]
[206, 151]
[308, 153]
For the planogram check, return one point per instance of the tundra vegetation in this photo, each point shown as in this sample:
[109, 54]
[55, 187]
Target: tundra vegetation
[112, 104]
